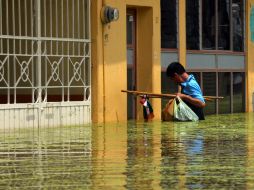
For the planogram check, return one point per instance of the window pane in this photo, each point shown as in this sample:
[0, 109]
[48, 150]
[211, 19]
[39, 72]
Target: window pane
[197, 76]
[192, 24]
[208, 24]
[224, 90]
[130, 98]
[209, 89]
[129, 29]
[238, 92]
[167, 86]
[223, 27]
[168, 24]
[237, 21]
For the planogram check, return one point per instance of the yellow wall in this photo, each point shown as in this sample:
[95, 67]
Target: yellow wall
[109, 59]
[97, 60]
[250, 59]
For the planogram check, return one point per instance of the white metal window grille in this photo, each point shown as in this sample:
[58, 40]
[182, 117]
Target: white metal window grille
[45, 51]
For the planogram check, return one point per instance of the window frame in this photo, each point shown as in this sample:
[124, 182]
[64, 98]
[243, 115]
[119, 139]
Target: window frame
[231, 42]
[217, 71]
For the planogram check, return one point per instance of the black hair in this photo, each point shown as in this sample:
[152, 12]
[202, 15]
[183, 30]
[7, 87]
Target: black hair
[175, 67]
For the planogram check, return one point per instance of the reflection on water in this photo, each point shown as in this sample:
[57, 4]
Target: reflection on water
[212, 154]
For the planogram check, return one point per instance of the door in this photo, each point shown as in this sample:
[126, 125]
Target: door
[131, 62]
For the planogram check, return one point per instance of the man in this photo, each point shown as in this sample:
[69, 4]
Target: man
[190, 90]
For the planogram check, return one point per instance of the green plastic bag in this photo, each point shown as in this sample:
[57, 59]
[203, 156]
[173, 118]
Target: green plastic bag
[182, 112]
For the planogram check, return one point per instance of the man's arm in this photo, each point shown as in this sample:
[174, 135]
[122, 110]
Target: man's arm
[196, 102]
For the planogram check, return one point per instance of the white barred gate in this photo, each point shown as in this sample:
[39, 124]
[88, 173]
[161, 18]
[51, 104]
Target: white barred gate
[45, 72]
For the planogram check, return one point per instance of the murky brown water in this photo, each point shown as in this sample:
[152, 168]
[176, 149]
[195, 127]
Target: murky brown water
[217, 153]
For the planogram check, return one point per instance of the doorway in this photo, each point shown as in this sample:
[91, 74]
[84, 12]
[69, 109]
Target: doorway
[131, 62]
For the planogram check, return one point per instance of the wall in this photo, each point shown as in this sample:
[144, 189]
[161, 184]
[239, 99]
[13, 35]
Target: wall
[109, 59]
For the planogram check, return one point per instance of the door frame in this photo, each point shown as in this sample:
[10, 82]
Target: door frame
[133, 46]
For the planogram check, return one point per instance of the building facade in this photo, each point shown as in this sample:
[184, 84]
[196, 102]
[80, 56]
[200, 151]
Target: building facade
[61, 65]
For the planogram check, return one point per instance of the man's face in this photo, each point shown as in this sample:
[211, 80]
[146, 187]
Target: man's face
[177, 78]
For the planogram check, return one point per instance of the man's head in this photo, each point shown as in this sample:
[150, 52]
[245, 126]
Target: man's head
[175, 71]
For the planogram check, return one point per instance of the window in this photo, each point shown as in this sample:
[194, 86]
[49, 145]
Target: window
[215, 25]
[168, 24]
[230, 85]
[208, 24]
[237, 22]
[238, 92]
[225, 91]
[130, 20]
[209, 89]
[223, 25]
[192, 21]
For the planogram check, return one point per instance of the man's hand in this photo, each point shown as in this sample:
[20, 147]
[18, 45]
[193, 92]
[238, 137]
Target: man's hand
[194, 101]
[180, 95]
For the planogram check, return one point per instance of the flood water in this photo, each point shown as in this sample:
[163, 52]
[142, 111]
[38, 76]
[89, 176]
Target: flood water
[217, 153]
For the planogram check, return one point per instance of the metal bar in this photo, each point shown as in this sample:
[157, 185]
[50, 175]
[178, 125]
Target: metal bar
[45, 25]
[14, 48]
[60, 55]
[7, 50]
[63, 81]
[32, 21]
[216, 24]
[1, 26]
[51, 26]
[7, 17]
[15, 79]
[68, 79]
[231, 42]
[39, 64]
[201, 25]
[217, 92]
[56, 19]
[33, 80]
[68, 46]
[32, 43]
[89, 20]
[84, 20]
[177, 23]
[231, 93]
[73, 26]
[13, 26]
[201, 81]
[19, 13]
[244, 25]
[45, 75]
[45, 38]
[30, 87]
[78, 28]
[62, 18]
[89, 37]
[68, 32]
[26, 24]
[45, 19]
[1, 18]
